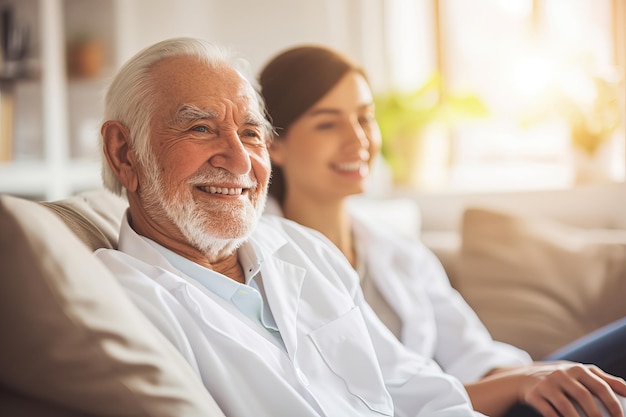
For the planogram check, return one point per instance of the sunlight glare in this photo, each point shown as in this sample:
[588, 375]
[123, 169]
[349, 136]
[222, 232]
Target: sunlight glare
[522, 8]
[533, 76]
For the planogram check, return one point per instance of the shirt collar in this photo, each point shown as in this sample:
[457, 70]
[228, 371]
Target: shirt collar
[215, 282]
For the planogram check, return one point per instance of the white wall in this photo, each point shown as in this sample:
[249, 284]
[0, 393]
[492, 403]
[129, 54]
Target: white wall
[257, 29]
[141, 23]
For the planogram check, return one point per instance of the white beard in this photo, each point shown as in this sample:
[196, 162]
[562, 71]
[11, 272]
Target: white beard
[217, 232]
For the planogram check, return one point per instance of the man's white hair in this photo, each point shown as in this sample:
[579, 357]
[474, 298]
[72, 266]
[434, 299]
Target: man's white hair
[131, 96]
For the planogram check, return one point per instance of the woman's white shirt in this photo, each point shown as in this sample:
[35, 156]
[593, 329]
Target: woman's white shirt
[432, 317]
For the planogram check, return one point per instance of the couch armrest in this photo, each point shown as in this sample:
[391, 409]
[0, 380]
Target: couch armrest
[72, 337]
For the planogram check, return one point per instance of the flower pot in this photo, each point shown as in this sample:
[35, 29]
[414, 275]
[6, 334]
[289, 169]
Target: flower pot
[85, 59]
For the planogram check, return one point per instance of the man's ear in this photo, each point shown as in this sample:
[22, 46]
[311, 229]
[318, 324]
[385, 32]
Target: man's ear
[277, 151]
[119, 154]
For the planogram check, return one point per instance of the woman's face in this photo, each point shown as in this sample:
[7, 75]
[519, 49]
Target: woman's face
[328, 151]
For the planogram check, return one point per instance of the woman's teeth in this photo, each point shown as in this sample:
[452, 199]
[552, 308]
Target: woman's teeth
[350, 166]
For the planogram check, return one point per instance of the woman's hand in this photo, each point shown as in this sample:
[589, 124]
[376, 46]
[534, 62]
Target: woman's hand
[554, 389]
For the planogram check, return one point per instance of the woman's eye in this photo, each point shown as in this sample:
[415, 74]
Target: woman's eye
[366, 119]
[326, 125]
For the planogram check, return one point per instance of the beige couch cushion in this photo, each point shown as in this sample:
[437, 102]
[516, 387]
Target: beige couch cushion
[93, 216]
[539, 284]
[70, 336]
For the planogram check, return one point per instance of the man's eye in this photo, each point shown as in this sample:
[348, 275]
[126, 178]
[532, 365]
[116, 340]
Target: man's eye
[201, 129]
[251, 134]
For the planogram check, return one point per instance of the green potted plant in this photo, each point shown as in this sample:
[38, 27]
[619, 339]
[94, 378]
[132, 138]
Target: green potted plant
[593, 119]
[407, 118]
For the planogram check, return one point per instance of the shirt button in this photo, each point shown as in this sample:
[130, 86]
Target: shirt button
[303, 379]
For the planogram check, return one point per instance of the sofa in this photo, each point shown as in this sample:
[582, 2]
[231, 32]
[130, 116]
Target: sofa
[73, 344]
[535, 282]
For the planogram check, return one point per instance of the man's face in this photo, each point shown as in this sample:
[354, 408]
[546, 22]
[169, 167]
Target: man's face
[210, 168]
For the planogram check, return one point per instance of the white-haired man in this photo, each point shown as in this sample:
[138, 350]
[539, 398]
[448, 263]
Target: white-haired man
[270, 315]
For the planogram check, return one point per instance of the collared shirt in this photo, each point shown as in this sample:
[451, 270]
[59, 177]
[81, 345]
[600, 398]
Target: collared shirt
[249, 298]
[331, 364]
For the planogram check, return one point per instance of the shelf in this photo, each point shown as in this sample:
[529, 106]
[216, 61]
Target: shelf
[46, 182]
[49, 145]
[8, 77]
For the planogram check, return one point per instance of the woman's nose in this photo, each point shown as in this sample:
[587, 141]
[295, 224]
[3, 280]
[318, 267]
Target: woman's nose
[358, 135]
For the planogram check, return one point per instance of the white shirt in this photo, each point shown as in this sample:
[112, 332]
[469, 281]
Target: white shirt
[435, 320]
[250, 298]
[338, 358]
[404, 282]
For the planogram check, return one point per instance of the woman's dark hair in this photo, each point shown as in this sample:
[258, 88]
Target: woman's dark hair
[291, 83]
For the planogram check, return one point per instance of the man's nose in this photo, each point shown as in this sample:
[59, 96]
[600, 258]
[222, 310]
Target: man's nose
[230, 154]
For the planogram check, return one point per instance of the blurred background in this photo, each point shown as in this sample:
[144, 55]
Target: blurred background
[474, 97]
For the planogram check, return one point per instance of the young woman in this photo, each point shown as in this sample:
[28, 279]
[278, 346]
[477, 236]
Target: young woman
[321, 106]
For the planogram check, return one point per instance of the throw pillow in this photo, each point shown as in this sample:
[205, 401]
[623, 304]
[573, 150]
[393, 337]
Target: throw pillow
[93, 216]
[71, 336]
[539, 284]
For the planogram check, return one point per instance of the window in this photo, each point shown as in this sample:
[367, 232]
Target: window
[549, 73]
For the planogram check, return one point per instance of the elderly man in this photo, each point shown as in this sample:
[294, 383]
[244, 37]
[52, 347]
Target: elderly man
[269, 314]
